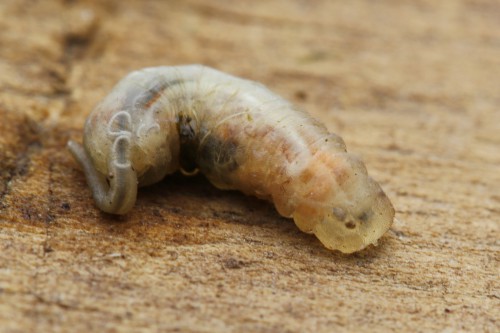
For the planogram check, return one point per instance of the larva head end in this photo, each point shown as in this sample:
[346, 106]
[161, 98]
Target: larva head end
[355, 235]
[352, 226]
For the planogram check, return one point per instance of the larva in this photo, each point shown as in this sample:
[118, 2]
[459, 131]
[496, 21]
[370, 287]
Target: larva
[240, 136]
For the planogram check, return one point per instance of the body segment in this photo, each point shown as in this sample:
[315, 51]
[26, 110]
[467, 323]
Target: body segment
[240, 136]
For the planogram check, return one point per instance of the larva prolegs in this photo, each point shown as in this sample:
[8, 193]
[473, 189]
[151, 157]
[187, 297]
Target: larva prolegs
[119, 196]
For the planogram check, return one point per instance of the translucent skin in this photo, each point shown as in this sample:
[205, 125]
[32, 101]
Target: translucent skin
[240, 136]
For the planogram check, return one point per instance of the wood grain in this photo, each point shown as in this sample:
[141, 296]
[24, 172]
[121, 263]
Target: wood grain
[412, 86]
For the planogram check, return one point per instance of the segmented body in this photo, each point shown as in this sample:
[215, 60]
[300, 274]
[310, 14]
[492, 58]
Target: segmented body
[240, 136]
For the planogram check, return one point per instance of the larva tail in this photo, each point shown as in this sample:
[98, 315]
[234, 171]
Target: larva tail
[119, 195]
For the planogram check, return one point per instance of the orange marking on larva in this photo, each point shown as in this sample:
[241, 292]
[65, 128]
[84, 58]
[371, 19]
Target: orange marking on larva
[342, 175]
[306, 175]
[337, 166]
[153, 99]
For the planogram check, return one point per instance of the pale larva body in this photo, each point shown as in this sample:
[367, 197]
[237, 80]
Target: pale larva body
[240, 136]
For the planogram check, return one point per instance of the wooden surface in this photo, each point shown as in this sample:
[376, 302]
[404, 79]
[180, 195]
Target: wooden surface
[412, 86]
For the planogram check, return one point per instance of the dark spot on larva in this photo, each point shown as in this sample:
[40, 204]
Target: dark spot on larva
[187, 132]
[206, 151]
[217, 156]
[350, 225]
[339, 213]
[65, 206]
[363, 217]
[189, 140]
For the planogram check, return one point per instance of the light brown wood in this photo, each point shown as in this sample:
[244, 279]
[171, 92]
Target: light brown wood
[412, 86]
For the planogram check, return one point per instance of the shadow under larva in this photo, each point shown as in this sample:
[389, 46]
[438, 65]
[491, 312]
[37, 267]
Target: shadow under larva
[240, 136]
